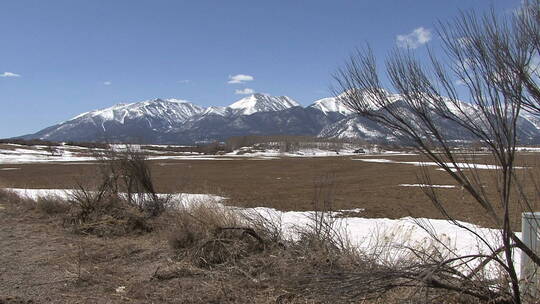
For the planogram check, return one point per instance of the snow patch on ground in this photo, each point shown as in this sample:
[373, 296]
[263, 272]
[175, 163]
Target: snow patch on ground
[180, 198]
[69, 154]
[309, 152]
[528, 149]
[426, 185]
[458, 165]
[365, 233]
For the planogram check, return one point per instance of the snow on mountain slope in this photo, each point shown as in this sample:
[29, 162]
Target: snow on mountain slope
[174, 121]
[331, 104]
[221, 111]
[353, 127]
[367, 97]
[534, 119]
[262, 103]
[170, 110]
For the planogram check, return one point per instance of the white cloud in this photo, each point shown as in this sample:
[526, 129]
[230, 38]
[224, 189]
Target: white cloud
[9, 74]
[240, 78]
[414, 39]
[184, 81]
[245, 91]
[107, 83]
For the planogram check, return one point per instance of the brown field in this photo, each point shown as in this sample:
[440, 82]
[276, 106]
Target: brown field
[288, 183]
[43, 260]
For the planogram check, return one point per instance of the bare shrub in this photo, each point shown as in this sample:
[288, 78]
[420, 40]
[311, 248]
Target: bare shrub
[4, 195]
[127, 170]
[125, 199]
[210, 234]
[185, 230]
[104, 213]
[251, 242]
[493, 57]
[324, 228]
[19, 201]
[52, 205]
[267, 224]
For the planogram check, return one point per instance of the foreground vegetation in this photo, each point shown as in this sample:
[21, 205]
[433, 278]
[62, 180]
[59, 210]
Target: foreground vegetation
[200, 254]
[126, 242]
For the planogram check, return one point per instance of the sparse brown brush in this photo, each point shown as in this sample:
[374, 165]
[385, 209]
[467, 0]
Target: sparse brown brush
[52, 205]
[104, 214]
[185, 231]
[13, 198]
[210, 234]
[106, 210]
[4, 195]
[251, 245]
[239, 256]
[129, 171]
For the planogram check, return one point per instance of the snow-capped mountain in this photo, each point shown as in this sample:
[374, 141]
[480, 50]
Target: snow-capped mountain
[179, 121]
[262, 103]
[123, 122]
[533, 119]
[174, 121]
[331, 105]
[222, 111]
[171, 111]
[354, 126]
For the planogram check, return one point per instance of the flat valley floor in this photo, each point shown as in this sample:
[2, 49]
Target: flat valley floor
[373, 183]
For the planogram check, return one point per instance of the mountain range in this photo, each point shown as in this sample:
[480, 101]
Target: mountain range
[175, 121]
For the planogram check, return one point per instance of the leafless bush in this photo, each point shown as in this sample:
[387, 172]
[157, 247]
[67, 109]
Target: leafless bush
[209, 234]
[104, 213]
[52, 205]
[127, 170]
[7, 196]
[124, 200]
[4, 195]
[494, 60]
[267, 224]
[324, 228]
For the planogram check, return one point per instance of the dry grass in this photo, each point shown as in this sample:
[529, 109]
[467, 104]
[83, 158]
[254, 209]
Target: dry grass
[52, 205]
[4, 194]
[108, 215]
[18, 201]
[251, 247]
[208, 262]
[49, 205]
[210, 234]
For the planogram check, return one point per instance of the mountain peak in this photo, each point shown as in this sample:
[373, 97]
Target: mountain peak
[169, 109]
[331, 104]
[259, 102]
[162, 120]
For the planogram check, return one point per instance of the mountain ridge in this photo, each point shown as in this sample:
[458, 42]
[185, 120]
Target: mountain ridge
[177, 121]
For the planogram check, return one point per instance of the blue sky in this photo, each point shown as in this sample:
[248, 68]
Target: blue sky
[59, 58]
